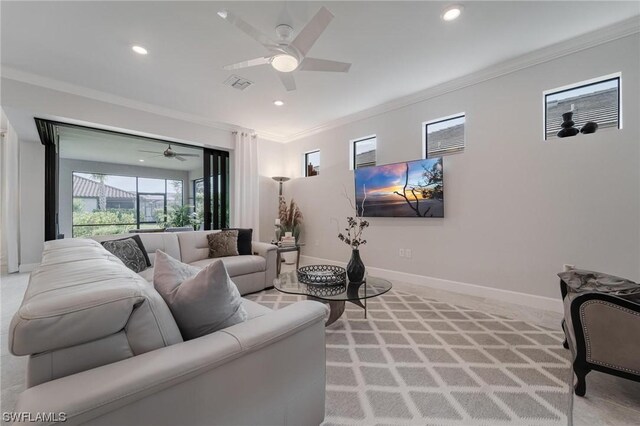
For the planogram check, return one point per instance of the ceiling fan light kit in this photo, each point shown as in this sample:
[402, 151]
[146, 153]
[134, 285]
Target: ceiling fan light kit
[287, 56]
[284, 63]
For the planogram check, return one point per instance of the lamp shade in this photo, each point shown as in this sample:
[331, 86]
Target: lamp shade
[280, 179]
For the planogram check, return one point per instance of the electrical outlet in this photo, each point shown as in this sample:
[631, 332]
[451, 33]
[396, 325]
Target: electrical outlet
[407, 253]
[401, 253]
[316, 243]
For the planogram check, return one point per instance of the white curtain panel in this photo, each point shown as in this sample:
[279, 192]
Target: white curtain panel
[10, 196]
[245, 172]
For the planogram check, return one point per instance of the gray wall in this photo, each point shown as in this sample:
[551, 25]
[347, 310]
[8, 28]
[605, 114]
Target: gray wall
[516, 207]
[31, 201]
[67, 167]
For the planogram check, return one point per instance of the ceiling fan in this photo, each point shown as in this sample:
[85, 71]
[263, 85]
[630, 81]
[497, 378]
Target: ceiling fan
[286, 55]
[170, 153]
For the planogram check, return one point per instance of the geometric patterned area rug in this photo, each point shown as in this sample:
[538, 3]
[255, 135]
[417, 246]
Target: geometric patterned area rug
[417, 361]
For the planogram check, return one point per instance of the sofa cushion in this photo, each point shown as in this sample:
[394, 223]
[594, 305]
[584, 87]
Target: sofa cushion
[53, 245]
[193, 245]
[202, 301]
[147, 274]
[72, 303]
[237, 265]
[245, 236]
[222, 244]
[68, 254]
[131, 251]
[255, 310]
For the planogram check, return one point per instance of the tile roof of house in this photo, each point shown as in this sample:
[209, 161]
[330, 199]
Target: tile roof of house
[83, 187]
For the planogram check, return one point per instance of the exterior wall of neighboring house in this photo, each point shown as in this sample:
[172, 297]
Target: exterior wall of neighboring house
[88, 204]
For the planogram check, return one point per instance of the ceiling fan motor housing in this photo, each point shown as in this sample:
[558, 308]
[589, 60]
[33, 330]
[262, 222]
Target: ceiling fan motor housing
[284, 31]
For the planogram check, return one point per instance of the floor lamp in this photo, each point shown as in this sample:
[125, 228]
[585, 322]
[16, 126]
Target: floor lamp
[280, 180]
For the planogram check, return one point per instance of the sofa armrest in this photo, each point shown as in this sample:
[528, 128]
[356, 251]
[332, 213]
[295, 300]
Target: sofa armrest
[270, 253]
[605, 327]
[263, 249]
[268, 370]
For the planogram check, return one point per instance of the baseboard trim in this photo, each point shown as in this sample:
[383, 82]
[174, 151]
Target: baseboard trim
[517, 298]
[27, 267]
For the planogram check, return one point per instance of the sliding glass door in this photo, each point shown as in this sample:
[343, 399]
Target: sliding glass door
[100, 182]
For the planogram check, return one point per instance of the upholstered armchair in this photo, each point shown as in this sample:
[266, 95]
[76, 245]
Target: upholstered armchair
[601, 325]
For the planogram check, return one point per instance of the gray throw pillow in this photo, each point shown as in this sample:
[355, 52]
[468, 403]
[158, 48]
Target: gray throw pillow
[128, 250]
[223, 243]
[201, 300]
[580, 281]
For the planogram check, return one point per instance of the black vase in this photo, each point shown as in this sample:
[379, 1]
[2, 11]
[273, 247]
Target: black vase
[567, 126]
[355, 268]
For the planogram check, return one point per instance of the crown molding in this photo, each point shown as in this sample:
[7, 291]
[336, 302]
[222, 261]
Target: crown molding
[585, 41]
[85, 92]
[595, 38]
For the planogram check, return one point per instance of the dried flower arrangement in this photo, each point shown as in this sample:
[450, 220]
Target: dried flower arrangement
[290, 217]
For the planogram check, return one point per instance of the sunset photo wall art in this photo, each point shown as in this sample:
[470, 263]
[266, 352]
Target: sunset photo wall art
[406, 189]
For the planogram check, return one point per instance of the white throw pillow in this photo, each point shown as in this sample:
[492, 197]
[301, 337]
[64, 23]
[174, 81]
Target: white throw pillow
[201, 300]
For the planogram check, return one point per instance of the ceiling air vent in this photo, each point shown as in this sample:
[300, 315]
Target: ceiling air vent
[238, 82]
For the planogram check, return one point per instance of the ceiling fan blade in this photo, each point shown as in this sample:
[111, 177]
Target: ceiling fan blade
[287, 80]
[248, 63]
[151, 152]
[314, 28]
[247, 28]
[177, 157]
[182, 154]
[315, 64]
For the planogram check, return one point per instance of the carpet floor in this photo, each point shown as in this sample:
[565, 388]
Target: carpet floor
[417, 361]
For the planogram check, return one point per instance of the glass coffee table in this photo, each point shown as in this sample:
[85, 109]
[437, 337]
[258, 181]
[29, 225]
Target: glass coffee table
[334, 295]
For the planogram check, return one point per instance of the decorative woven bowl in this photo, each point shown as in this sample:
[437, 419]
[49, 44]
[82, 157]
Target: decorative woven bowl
[322, 275]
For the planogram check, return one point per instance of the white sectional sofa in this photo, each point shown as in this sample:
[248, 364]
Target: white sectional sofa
[250, 273]
[104, 348]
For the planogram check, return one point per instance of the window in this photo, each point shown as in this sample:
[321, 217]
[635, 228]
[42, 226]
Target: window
[109, 204]
[363, 152]
[443, 136]
[312, 163]
[596, 100]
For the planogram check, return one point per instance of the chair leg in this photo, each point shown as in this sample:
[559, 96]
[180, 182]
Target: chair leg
[565, 344]
[581, 383]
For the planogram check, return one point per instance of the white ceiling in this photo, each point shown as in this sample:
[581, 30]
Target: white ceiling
[88, 145]
[397, 48]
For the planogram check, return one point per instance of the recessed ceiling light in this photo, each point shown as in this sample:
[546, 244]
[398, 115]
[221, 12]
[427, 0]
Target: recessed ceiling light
[141, 160]
[139, 50]
[278, 103]
[452, 12]
[284, 62]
